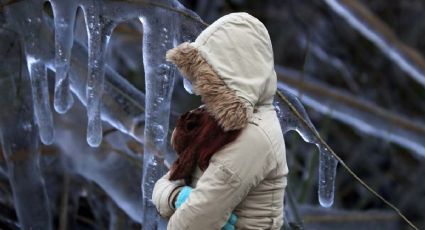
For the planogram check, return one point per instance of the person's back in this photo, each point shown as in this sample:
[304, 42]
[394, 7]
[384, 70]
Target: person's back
[262, 208]
[231, 67]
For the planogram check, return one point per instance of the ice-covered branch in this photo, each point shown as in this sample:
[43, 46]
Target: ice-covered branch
[360, 114]
[370, 26]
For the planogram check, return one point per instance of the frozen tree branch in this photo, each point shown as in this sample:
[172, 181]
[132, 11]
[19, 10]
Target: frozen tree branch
[357, 113]
[371, 27]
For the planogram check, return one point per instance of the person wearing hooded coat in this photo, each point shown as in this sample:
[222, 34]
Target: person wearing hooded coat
[241, 183]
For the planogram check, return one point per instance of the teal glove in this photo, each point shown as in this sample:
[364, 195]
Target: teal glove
[230, 225]
[184, 194]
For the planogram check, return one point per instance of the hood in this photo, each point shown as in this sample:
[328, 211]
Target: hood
[230, 65]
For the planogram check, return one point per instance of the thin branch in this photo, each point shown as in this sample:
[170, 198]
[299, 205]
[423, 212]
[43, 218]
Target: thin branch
[63, 216]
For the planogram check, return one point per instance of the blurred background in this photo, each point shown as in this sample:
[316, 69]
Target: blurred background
[357, 66]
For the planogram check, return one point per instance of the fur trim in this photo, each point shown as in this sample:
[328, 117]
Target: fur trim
[230, 110]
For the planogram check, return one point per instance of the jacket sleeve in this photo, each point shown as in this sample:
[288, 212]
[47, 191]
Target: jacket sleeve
[164, 193]
[231, 174]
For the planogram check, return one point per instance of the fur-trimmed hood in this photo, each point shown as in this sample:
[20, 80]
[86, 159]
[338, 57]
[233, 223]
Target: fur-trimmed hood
[230, 65]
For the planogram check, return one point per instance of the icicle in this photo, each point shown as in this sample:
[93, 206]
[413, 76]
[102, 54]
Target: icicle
[64, 19]
[19, 141]
[99, 30]
[327, 173]
[158, 35]
[40, 95]
[327, 166]
[122, 105]
[27, 19]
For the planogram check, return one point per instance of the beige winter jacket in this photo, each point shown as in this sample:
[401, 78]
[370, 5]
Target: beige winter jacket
[230, 66]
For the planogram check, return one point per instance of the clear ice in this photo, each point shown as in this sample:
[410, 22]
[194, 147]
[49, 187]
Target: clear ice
[27, 18]
[159, 35]
[19, 138]
[99, 29]
[64, 20]
[291, 122]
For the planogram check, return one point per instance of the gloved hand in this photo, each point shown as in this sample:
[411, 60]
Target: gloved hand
[184, 194]
[230, 225]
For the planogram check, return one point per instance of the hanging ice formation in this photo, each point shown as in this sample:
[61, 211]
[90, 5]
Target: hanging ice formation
[18, 136]
[162, 31]
[327, 164]
[64, 18]
[158, 35]
[27, 19]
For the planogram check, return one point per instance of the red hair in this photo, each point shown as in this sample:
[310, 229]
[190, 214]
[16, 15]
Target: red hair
[196, 138]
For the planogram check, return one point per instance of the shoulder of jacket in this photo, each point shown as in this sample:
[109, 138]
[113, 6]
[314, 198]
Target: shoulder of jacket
[256, 130]
[252, 145]
[249, 157]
